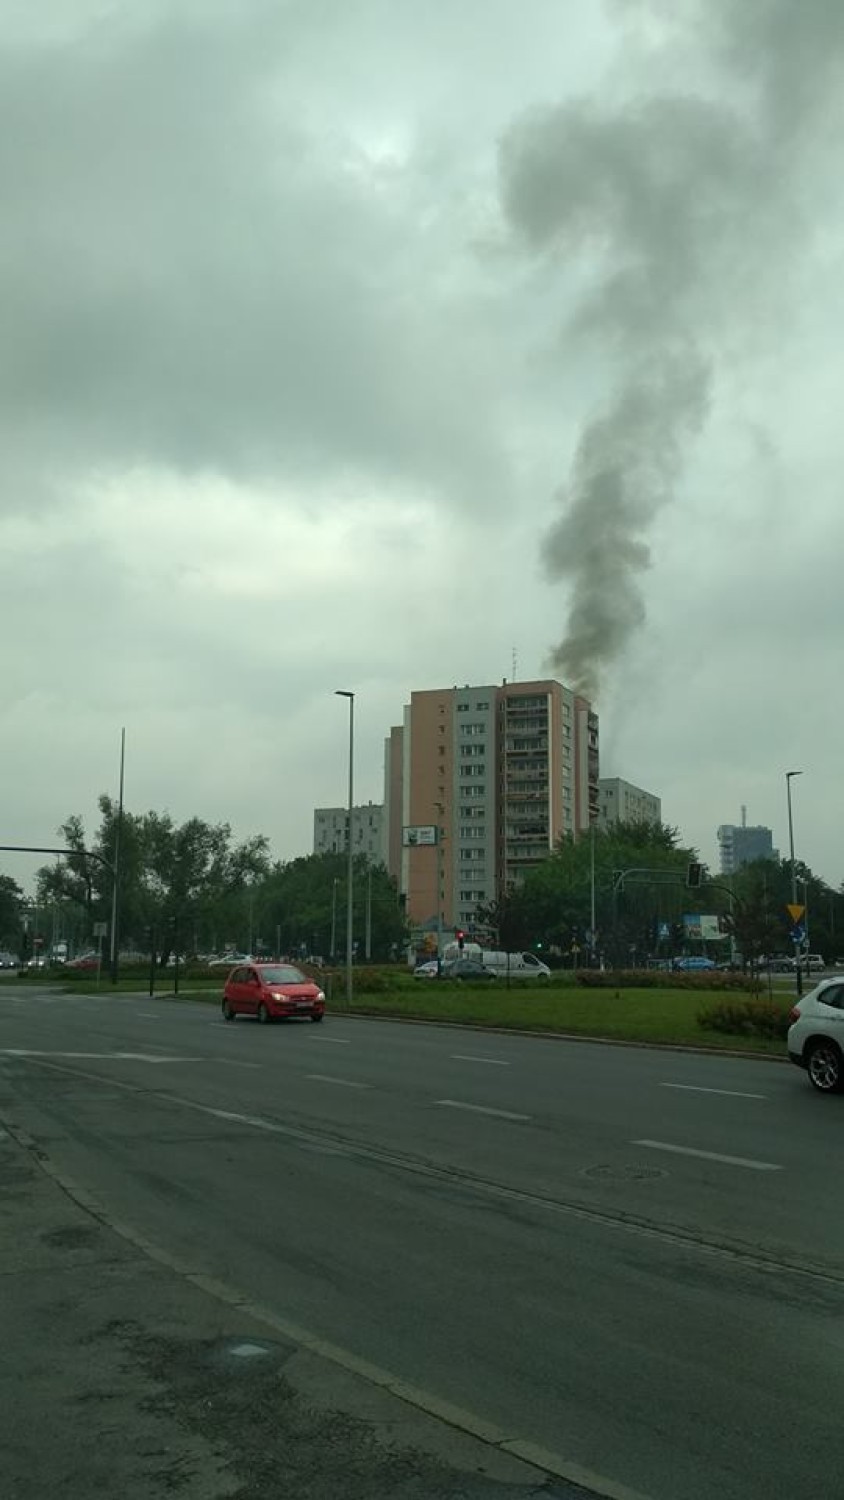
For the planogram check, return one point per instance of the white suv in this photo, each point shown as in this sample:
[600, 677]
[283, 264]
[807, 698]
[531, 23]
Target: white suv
[816, 1035]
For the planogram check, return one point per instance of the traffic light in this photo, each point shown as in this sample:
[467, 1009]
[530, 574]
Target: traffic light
[461, 938]
[694, 876]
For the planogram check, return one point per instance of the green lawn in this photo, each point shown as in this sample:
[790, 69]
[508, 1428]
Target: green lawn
[642, 1015]
[647, 1015]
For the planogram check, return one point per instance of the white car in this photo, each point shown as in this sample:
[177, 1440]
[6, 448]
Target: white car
[816, 1035]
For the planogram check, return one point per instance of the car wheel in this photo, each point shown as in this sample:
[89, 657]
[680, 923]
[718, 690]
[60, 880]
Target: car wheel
[318, 1015]
[263, 1014]
[229, 1012]
[825, 1067]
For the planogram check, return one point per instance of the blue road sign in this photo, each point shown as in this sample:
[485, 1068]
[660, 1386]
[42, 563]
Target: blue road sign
[798, 933]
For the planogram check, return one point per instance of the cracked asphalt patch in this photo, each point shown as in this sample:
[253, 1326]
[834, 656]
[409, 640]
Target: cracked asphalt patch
[122, 1378]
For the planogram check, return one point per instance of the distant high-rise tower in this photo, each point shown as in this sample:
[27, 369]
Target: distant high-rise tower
[740, 845]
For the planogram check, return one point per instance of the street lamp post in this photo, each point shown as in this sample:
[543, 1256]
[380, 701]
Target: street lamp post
[333, 946]
[115, 883]
[789, 775]
[344, 693]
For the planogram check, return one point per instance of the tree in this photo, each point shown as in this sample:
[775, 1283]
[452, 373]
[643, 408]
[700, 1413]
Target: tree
[305, 899]
[11, 913]
[187, 880]
[554, 904]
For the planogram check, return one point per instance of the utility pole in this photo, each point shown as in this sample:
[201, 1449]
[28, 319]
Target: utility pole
[116, 872]
[369, 914]
[799, 972]
[350, 861]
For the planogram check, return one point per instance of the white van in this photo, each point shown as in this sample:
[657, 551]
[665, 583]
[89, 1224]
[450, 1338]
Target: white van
[519, 965]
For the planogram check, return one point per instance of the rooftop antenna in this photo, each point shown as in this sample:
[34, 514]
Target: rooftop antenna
[515, 665]
[743, 815]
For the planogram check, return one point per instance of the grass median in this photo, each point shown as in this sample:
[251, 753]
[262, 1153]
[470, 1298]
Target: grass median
[635, 1015]
[649, 1015]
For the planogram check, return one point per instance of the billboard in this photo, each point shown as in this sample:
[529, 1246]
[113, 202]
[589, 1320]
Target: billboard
[703, 926]
[420, 833]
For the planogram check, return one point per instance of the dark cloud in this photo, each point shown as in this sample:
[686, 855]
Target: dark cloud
[198, 273]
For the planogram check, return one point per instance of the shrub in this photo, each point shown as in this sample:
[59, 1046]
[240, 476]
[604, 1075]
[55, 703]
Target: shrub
[665, 979]
[745, 1018]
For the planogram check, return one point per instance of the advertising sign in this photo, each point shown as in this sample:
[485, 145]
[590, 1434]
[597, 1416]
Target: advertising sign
[702, 926]
[416, 834]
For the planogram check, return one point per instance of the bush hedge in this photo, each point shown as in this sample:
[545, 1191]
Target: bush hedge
[665, 979]
[745, 1018]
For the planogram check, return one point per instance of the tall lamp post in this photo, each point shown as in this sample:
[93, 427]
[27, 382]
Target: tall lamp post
[789, 775]
[115, 883]
[344, 693]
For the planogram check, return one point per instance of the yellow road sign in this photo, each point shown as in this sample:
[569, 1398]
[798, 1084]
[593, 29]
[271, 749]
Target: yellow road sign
[795, 912]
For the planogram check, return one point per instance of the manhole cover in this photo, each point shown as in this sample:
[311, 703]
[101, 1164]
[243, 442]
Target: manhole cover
[609, 1173]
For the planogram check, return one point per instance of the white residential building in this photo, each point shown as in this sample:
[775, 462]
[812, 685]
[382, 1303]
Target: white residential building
[331, 831]
[622, 802]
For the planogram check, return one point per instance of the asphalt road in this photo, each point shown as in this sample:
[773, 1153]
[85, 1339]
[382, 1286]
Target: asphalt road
[632, 1259]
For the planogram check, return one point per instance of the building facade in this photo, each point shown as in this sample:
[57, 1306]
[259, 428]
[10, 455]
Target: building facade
[331, 827]
[622, 802]
[740, 845]
[501, 772]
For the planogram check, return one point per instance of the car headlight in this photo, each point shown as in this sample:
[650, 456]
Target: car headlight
[320, 996]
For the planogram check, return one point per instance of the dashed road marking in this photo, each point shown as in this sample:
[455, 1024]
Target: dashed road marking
[482, 1109]
[729, 1161]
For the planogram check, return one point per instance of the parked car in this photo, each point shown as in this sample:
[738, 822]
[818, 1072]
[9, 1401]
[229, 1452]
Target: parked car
[812, 963]
[777, 963]
[228, 960]
[271, 991]
[816, 1035]
[428, 970]
[460, 969]
[696, 963]
[89, 960]
[9, 961]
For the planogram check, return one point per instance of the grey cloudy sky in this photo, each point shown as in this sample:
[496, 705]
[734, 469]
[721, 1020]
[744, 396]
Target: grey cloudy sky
[355, 343]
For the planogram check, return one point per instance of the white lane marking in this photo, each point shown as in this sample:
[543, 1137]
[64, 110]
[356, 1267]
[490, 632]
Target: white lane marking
[693, 1088]
[149, 1015]
[482, 1109]
[497, 1062]
[346, 1083]
[100, 1056]
[730, 1161]
[339, 1041]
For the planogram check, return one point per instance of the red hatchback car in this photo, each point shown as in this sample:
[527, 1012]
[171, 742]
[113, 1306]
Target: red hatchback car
[270, 991]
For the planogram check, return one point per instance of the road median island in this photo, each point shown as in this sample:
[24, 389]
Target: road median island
[715, 1014]
[649, 1016]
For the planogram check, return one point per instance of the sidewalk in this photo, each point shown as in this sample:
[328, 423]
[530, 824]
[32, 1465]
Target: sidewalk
[119, 1378]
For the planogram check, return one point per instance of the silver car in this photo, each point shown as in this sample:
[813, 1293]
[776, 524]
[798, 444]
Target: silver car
[816, 1035]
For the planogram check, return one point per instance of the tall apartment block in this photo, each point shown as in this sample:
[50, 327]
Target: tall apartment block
[740, 845]
[622, 802]
[501, 772]
[331, 831]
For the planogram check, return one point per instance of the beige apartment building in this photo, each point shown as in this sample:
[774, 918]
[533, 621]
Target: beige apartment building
[500, 772]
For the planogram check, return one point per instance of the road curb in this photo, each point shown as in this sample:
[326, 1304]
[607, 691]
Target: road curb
[693, 1048]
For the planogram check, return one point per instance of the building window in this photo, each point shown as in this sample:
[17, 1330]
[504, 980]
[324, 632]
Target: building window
[462, 708]
[480, 707]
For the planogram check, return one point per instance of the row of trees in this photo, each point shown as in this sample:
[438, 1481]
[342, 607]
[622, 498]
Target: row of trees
[638, 873]
[190, 885]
